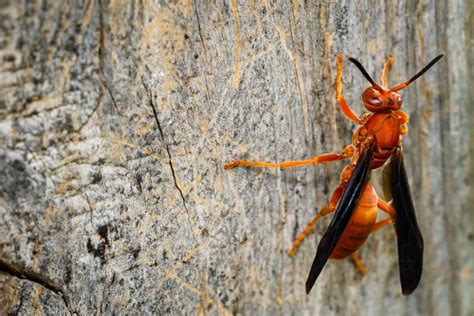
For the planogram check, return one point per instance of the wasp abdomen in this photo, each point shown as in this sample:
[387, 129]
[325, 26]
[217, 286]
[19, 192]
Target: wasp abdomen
[360, 225]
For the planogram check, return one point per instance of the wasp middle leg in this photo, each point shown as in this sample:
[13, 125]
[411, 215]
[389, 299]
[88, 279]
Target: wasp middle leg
[347, 152]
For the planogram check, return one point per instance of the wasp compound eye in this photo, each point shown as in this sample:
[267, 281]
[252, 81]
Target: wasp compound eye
[374, 101]
[399, 100]
[372, 98]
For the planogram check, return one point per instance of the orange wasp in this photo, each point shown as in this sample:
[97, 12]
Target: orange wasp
[377, 142]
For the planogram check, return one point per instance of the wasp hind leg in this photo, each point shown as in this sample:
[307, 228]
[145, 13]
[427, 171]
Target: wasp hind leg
[296, 244]
[360, 266]
[324, 211]
[347, 152]
[387, 208]
[381, 224]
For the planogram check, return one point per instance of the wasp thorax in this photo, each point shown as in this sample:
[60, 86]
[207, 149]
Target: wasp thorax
[379, 101]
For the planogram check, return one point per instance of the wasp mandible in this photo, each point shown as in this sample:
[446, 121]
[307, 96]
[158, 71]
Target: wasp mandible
[377, 142]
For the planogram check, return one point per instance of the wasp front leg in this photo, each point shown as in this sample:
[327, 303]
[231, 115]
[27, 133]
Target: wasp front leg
[346, 110]
[386, 69]
[403, 120]
[347, 152]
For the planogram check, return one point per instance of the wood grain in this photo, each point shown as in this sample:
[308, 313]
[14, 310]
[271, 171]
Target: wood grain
[116, 118]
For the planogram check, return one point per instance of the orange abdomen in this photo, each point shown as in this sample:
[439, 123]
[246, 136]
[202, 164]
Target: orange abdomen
[360, 225]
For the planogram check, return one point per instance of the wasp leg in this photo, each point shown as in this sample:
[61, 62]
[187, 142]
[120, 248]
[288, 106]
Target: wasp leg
[403, 120]
[381, 224]
[387, 208]
[359, 264]
[403, 129]
[325, 211]
[347, 152]
[384, 206]
[402, 117]
[346, 110]
[386, 69]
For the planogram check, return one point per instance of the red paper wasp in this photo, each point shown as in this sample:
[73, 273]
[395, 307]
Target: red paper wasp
[377, 142]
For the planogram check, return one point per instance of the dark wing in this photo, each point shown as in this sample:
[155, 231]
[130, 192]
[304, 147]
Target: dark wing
[345, 208]
[387, 180]
[410, 242]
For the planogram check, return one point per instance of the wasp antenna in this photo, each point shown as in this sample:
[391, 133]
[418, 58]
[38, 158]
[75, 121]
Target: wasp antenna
[364, 72]
[418, 74]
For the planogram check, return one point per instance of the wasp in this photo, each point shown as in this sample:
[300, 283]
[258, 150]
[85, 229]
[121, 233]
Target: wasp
[377, 142]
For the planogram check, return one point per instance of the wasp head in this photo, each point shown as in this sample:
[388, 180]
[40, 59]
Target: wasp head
[380, 99]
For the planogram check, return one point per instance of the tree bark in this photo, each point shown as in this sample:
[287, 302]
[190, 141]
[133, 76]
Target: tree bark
[116, 119]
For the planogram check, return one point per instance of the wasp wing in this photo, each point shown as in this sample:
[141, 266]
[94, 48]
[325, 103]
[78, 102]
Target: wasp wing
[345, 208]
[387, 180]
[409, 239]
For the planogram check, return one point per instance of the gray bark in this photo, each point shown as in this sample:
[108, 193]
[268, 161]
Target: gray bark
[116, 119]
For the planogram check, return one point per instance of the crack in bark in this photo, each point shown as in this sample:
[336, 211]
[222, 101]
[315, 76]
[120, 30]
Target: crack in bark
[158, 124]
[96, 107]
[101, 308]
[21, 114]
[18, 271]
[90, 208]
[20, 305]
[102, 80]
[201, 37]
[174, 179]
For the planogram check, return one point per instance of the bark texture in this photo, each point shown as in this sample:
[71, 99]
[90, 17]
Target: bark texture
[116, 118]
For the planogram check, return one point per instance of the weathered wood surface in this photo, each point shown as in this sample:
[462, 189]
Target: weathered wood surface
[117, 117]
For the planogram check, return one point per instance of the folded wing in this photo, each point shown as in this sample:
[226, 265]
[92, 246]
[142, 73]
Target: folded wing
[409, 239]
[344, 211]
